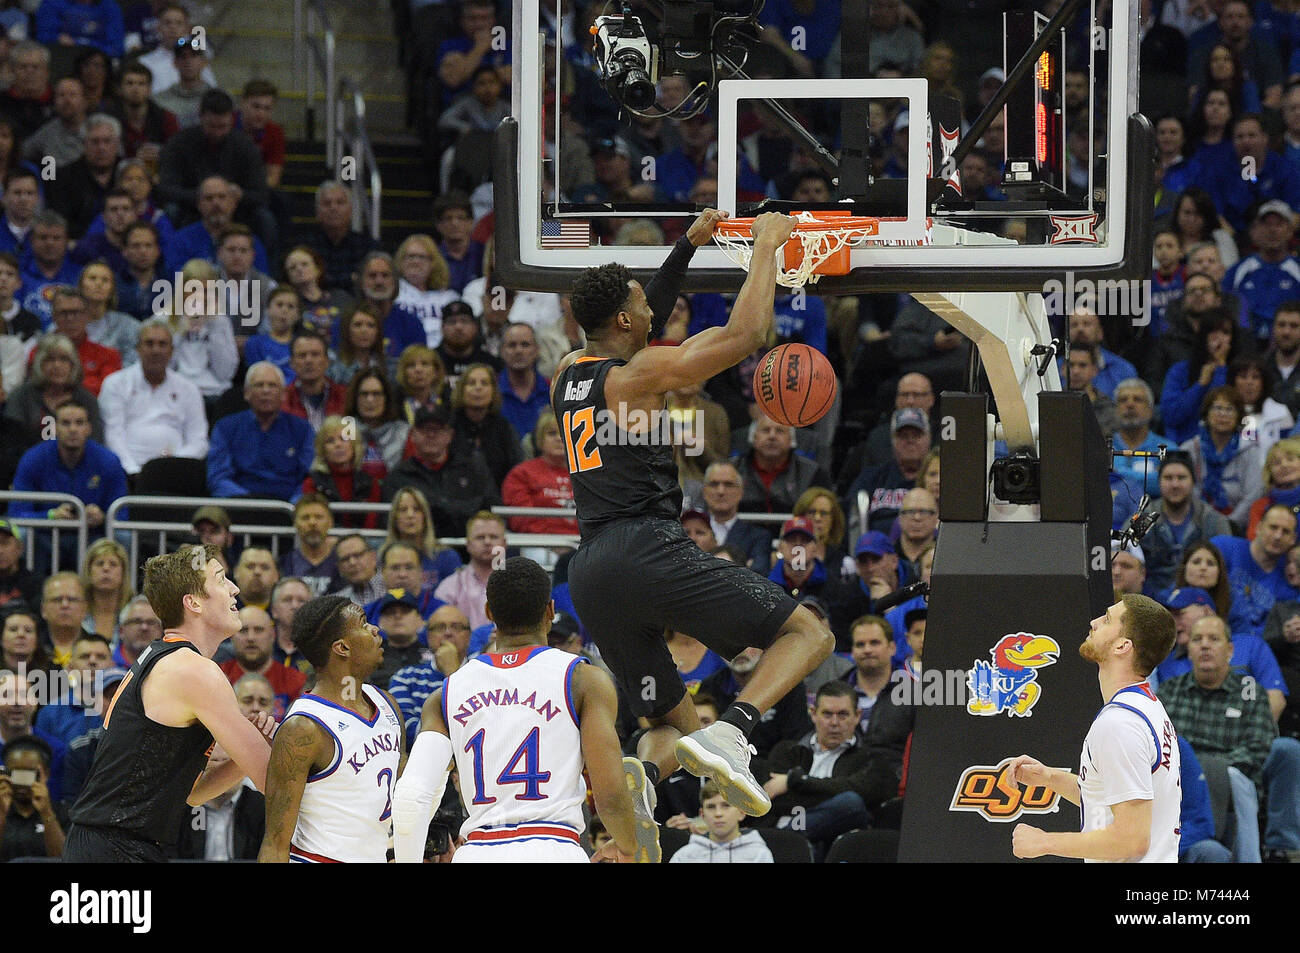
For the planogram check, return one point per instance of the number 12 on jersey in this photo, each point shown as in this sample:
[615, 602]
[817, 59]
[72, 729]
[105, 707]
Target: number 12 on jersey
[580, 438]
[531, 777]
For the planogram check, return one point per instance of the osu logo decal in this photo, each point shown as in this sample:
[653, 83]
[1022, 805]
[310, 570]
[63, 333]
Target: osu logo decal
[1010, 682]
[991, 792]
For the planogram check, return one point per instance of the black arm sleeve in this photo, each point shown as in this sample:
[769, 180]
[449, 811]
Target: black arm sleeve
[662, 291]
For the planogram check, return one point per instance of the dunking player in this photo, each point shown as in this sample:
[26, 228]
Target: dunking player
[339, 749]
[637, 574]
[1128, 781]
[159, 729]
[520, 724]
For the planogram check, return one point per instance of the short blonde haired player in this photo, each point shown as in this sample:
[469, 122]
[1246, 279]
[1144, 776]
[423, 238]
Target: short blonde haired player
[161, 725]
[1128, 781]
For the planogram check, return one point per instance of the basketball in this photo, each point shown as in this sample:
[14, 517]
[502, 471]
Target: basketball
[794, 384]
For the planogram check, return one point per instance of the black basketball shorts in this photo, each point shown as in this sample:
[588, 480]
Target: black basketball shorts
[102, 845]
[637, 579]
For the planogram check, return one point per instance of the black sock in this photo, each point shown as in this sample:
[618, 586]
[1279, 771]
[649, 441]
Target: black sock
[743, 716]
[651, 772]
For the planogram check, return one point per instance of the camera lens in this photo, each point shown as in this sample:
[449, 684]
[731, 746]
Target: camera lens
[638, 91]
[1017, 477]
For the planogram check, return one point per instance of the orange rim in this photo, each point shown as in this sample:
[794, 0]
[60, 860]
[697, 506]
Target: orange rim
[742, 226]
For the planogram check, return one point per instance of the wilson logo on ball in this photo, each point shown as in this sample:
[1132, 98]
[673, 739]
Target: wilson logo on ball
[765, 391]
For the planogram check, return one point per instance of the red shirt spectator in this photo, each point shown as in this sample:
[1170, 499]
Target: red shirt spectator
[346, 485]
[287, 683]
[270, 139]
[254, 118]
[542, 481]
[312, 395]
[336, 397]
[97, 362]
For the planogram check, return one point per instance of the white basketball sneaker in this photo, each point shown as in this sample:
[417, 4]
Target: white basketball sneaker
[721, 752]
[643, 809]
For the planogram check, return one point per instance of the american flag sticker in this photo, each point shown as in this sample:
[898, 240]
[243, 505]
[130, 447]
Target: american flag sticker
[566, 233]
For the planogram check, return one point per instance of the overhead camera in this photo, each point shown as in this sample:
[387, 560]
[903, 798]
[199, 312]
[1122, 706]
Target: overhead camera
[1016, 478]
[698, 39]
[629, 63]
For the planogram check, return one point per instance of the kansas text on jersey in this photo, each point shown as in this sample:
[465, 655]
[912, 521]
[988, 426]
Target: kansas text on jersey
[345, 815]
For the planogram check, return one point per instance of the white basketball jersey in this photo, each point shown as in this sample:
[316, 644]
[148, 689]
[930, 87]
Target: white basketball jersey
[514, 730]
[346, 810]
[1131, 753]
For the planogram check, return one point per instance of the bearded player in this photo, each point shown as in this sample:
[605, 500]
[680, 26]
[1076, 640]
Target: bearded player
[1128, 781]
[636, 573]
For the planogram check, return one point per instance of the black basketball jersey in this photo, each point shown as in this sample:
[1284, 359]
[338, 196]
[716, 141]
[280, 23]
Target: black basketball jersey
[143, 771]
[616, 475]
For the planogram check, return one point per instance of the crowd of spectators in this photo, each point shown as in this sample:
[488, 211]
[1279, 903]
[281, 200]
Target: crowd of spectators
[328, 368]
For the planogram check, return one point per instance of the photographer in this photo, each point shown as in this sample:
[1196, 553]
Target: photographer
[31, 825]
[444, 830]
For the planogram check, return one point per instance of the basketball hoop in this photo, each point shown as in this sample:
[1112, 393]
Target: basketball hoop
[818, 246]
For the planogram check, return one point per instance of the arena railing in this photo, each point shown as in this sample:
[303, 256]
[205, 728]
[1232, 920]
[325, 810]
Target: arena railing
[512, 539]
[315, 61]
[187, 505]
[313, 57]
[366, 209]
[30, 523]
[135, 529]
[777, 518]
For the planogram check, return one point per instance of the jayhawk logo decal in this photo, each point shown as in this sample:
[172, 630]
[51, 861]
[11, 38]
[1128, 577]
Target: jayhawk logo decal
[1010, 682]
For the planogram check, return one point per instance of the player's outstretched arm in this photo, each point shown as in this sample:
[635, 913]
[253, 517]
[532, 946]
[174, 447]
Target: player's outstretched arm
[662, 290]
[300, 748]
[1027, 770]
[1127, 838]
[597, 704]
[421, 784]
[201, 688]
[657, 370]
[218, 779]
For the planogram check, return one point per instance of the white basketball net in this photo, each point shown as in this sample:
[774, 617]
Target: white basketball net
[818, 245]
